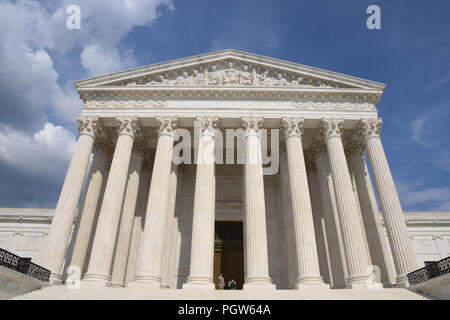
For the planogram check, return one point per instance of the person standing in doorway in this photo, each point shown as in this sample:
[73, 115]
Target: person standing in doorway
[221, 281]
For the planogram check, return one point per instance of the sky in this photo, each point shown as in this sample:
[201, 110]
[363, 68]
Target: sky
[40, 58]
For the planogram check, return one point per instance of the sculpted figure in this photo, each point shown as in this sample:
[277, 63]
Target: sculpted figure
[197, 78]
[213, 76]
[255, 77]
[231, 75]
[245, 77]
[264, 78]
[279, 81]
[163, 81]
[182, 80]
[297, 82]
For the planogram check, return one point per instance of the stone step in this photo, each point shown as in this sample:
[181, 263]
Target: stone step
[60, 292]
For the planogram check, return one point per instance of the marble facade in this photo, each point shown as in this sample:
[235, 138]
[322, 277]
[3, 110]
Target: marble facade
[147, 220]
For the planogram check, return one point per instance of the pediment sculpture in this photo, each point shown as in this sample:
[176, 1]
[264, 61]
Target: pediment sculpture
[230, 73]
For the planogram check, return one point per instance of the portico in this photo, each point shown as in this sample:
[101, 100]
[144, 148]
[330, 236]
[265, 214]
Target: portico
[270, 143]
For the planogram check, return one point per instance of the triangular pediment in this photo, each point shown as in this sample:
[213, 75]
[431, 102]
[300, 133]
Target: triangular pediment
[229, 68]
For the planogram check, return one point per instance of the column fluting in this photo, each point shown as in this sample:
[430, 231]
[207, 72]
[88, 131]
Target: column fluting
[331, 220]
[401, 246]
[150, 250]
[369, 209]
[89, 208]
[308, 270]
[202, 244]
[108, 221]
[352, 234]
[255, 233]
[127, 217]
[69, 197]
[288, 224]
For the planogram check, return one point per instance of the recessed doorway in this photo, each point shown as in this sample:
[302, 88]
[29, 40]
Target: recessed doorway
[229, 252]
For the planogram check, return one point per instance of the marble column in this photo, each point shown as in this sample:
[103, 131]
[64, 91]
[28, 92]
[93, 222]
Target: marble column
[202, 243]
[319, 229]
[138, 222]
[402, 250]
[150, 251]
[330, 215]
[127, 216]
[89, 208]
[288, 225]
[256, 263]
[369, 208]
[352, 234]
[69, 197]
[308, 270]
[99, 270]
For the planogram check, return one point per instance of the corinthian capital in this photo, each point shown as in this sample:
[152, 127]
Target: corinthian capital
[208, 124]
[369, 128]
[166, 125]
[128, 126]
[292, 126]
[331, 127]
[252, 124]
[89, 125]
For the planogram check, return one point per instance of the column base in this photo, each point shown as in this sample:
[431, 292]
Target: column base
[115, 285]
[258, 284]
[362, 282]
[311, 282]
[401, 281]
[147, 282]
[96, 279]
[55, 279]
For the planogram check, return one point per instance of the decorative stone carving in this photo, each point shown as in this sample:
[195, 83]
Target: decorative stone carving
[252, 123]
[208, 124]
[330, 127]
[230, 73]
[89, 125]
[369, 128]
[292, 126]
[166, 125]
[128, 126]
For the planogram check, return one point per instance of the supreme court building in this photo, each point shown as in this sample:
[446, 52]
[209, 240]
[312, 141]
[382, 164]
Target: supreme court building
[287, 202]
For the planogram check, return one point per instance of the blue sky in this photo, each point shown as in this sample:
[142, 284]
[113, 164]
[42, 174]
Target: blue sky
[40, 59]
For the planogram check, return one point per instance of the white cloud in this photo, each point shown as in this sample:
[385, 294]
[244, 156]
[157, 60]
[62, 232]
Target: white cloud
[100, 60]
[414, 197]
[45, 153]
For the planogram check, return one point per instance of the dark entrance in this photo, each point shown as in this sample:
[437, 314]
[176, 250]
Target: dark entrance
[229, 252]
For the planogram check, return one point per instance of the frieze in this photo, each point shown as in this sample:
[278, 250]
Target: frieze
[231, 73]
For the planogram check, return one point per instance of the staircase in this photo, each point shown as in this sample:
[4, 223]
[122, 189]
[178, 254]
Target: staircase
[89, 292]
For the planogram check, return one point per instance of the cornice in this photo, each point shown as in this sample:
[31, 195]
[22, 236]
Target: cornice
[263, 61]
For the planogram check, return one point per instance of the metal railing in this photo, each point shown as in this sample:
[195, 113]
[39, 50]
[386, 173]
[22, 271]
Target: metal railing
[430, 271]
[23, 265]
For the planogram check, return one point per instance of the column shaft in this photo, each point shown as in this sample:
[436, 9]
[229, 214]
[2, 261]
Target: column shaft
[334, 242]
[371, 218]
[202, 244]
[89, 209]
[322, 250]
[255, 234]
[401, 246]
[288, 225]
[352, 234]
[308, 270]
[150, 251]
[99, 270]
[126, 221]
[68, 199]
